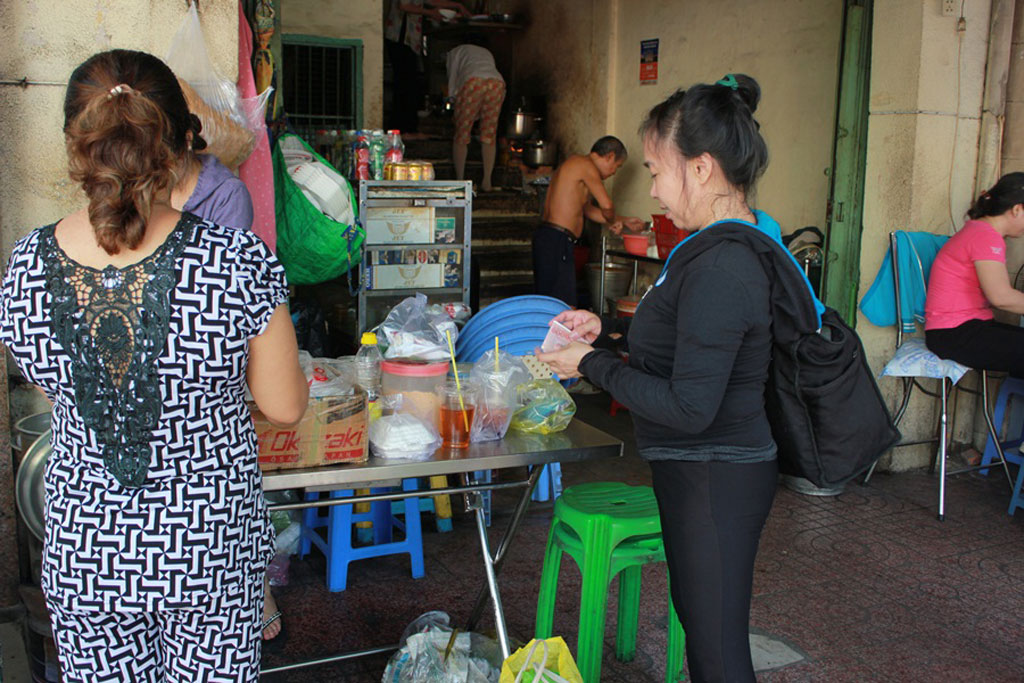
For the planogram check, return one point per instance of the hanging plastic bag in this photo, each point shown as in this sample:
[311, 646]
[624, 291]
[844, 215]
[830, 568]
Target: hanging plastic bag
[229, 123]
[431, 652]
[541, 661]
[546, 407]
[411, 332]
[496, 401]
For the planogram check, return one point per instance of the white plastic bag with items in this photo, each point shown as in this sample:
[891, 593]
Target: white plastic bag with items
[429, 653]
[497, 399]
[327, 376]
[412, 332]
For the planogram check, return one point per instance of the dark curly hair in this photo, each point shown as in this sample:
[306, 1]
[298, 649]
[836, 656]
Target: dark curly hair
[125, 144]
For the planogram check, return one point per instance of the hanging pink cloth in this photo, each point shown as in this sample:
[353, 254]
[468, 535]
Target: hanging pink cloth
[257, 171]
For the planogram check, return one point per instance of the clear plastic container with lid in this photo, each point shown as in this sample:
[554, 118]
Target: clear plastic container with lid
[418, 383]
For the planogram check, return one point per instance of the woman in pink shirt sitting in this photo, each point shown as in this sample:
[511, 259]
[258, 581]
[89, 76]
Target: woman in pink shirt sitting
[969, 278]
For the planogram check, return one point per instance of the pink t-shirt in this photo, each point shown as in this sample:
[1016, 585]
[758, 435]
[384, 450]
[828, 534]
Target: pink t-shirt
[954, 293]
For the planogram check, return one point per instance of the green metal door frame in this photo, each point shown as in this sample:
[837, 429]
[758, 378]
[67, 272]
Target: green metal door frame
[846, 197]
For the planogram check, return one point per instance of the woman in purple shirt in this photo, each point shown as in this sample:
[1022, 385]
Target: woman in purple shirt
[209, 189]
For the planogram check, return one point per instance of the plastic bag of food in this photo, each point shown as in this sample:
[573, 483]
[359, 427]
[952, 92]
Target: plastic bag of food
[496, 396]
[412, 332]
[545, 407]
[425, 655]
[229, 123]
[403, 436]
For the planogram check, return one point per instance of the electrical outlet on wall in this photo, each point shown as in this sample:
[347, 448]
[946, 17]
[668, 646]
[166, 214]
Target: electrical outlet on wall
[949, 8]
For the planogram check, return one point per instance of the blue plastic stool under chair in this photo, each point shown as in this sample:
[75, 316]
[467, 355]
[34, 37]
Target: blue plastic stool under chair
[340, 522]
[1010, 388]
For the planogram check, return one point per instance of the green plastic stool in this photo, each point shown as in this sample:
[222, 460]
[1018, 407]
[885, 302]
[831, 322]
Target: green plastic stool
[608, 528]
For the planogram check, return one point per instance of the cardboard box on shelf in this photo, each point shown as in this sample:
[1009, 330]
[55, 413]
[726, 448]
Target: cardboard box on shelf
[420, 275]
[333, 431]
[397, 225]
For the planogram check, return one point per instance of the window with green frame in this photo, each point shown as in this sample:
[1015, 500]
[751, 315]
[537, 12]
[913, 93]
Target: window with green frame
[322, 79]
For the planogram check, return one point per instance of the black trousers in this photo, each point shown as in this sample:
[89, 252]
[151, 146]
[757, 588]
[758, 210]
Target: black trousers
[982, 345]
[554, 263]
[712, 514]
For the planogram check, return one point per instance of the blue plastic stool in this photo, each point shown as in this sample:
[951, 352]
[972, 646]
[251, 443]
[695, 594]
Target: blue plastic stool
[340, 522]
[1010, 388]
[1017, 499]
[549, 485]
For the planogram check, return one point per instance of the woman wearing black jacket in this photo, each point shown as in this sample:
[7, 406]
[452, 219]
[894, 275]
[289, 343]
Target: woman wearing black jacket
[699, 349]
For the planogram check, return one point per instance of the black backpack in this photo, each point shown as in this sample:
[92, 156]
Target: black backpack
[828, 417]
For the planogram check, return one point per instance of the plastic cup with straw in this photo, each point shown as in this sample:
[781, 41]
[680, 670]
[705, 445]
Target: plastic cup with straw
[458, 382]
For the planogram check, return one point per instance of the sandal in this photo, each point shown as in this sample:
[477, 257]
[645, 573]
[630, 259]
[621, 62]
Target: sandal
[276, 643]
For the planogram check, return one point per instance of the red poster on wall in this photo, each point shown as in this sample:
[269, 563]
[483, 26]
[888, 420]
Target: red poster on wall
[648, 62]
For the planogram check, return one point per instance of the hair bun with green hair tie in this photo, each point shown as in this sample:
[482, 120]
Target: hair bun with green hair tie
[729, 81]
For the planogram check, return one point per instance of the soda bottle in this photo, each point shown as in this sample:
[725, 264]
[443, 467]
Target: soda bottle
[361, 158]
[378, 150]
[396, 148]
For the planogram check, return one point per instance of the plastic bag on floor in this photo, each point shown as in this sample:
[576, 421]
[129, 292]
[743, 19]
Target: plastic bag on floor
[424, 655]
[541, 661]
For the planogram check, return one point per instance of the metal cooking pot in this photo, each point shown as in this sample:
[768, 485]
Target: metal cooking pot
[539, 153]
[523, 124]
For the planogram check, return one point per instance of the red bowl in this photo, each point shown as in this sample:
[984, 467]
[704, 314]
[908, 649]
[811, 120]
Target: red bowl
[635, 244]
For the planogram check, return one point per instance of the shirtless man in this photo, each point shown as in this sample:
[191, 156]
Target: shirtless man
[576, 181]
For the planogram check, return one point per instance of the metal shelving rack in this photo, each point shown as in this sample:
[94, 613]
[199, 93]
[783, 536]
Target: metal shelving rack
[449, 198]
[635, 258]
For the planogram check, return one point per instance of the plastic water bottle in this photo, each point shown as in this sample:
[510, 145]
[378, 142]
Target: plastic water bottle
[396, 148]
[368, 360]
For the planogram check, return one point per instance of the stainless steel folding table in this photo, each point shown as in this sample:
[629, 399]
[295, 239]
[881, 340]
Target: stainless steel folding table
[577, 443]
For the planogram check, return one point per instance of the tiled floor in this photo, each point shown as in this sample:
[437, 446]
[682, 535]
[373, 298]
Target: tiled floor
[868, 585]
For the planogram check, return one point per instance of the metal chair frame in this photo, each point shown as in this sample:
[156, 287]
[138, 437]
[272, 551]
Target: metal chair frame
[908, 385]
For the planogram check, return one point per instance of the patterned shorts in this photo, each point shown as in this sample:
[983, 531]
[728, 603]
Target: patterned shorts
[218, 642]
[479, 98]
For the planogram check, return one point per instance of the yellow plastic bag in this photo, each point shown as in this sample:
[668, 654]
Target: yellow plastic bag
[541, 661]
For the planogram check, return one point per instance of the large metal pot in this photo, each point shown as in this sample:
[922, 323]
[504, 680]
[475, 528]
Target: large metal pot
[539, 153]
[617, 278]
[522, 125]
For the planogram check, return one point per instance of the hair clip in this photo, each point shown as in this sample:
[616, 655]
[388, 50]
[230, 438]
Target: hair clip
[729, 81]
[118, 90]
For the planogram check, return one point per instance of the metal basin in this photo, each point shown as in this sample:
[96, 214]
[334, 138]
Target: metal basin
[29, 488]
[616, 280]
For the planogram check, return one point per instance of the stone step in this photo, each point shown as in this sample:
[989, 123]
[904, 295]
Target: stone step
[504, 260]
[497, 289]
[504, 230]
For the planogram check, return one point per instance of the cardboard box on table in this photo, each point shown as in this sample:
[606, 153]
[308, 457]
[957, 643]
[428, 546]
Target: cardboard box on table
[333, 431]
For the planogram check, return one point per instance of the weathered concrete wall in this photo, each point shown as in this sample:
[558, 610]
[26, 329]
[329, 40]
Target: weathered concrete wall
[44, 40]
[919, 175]
[356, 19]
[790, 46]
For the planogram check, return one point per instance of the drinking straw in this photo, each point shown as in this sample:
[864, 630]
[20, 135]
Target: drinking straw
[495, 355]
[458, 383]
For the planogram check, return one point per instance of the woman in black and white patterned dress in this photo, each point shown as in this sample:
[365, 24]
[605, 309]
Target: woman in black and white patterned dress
[143, 326]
